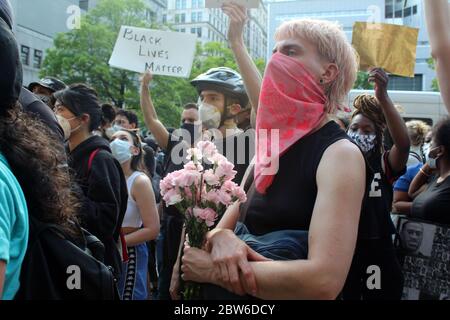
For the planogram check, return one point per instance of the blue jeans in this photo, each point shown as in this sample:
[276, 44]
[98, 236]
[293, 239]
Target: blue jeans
[277, 245]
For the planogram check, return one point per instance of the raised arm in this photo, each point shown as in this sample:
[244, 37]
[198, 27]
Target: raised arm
[252, 78]
[438, 24]
[151, 118]
[398, 156]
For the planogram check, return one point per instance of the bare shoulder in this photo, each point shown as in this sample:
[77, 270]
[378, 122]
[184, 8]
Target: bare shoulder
[342, 160]
[141, 186]
[142, 180]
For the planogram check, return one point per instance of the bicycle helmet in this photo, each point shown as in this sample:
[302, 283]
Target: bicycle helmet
[224, 80]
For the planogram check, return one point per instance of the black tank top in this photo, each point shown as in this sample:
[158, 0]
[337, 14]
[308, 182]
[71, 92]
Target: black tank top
[289, 201]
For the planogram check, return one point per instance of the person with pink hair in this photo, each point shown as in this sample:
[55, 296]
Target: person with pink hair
[308, 174]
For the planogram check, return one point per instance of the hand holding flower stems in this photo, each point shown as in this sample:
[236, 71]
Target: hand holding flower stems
[202, 195]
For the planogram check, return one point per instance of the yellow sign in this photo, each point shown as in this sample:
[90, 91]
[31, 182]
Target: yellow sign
[389, 46]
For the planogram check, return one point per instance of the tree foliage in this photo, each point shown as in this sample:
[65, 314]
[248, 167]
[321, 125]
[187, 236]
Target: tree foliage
[82, 55]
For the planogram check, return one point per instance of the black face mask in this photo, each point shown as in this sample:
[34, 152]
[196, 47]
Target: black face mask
[194, 131]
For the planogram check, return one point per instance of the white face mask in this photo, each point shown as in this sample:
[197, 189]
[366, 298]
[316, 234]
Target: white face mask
[121, 150]
[65, 125]
[365, 141]
[426, 149]
[209, 115]
[432, 161]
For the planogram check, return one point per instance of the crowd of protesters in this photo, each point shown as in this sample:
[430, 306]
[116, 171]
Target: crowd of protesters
[78, 174]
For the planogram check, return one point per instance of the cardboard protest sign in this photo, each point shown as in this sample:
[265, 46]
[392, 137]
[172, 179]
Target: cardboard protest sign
[389, 46]
[218, 3]
[161, 52]
[424, 252]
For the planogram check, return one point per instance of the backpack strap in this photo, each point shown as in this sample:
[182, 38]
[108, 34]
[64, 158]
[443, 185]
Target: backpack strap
[91, 159]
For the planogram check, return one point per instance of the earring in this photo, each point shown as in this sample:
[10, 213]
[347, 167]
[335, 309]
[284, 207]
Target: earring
[321, 81]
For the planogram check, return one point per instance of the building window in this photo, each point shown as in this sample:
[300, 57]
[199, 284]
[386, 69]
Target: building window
[183, 30]
[406, 84]
[194, 16]
[37, 59]
[164, 18]
[25, 55]
[415, 9]
[84, 5]
[150, 15]
[193, 30]
[389, 9]
[178, 4]
[183, 4]
[183, 17]
[194, 4]
[199, 16]
[177, 18]
[399, 8]
[199, 32]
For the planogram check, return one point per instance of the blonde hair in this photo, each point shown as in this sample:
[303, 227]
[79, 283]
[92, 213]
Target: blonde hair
[417, 131]
[333, 46]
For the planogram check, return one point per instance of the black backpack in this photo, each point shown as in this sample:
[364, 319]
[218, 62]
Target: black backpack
[57, 267]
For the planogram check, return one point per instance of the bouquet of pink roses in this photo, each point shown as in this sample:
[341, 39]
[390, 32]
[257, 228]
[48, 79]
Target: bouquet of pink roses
[202, 191]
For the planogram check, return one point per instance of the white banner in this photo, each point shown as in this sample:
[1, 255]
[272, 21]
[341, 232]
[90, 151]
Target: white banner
[218, 3]
[162, 52]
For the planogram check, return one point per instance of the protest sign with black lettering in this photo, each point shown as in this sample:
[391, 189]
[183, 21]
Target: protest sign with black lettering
[160, 52]
[218, 3]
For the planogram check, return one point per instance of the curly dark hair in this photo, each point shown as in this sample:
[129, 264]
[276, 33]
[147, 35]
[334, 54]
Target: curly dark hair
[130, 115]
[38, 160]
[368, 106]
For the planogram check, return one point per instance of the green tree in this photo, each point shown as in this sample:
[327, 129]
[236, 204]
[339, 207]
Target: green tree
[435, 83]
[82, 55]
[362, 81]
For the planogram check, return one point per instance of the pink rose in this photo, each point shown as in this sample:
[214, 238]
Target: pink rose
[172, 197]
[239, 194]
[229, 186]
[194, 154]
[207, 148]
[212, 196]
[192, 166]
[210, 177]
[208, 215]
[224, 197]
[187, 178]
[225, 169]
[168, 182]
[217, 158]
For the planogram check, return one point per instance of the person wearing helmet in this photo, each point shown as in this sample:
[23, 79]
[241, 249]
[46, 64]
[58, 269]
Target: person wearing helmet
[222, 97]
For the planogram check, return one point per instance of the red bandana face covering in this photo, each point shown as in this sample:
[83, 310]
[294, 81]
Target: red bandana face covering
[291, 105]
